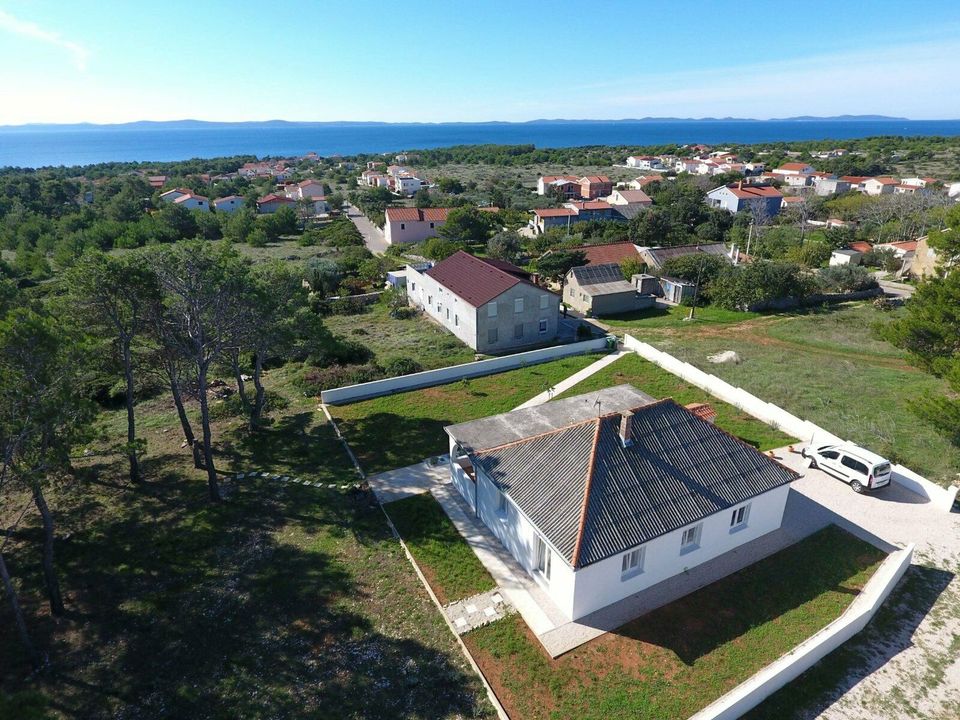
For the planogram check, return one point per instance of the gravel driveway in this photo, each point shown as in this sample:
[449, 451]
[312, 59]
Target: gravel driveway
[372, 235]
[914, 673]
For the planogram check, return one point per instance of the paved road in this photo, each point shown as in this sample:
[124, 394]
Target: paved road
[372, 235]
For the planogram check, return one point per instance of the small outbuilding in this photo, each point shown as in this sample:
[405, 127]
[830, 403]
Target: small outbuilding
[600, 290]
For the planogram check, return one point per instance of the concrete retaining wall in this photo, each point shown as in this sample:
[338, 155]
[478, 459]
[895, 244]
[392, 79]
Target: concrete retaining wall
[752, 692]
[429, 378]
[779, 418]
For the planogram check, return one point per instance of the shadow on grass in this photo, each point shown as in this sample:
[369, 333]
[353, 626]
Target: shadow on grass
[384, 441]
[701, 622]
[888, 634]
[656, 311]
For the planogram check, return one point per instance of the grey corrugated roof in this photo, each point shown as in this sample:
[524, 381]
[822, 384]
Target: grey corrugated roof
[678, 470]
[658, 256]
[520, 424]
[605, 279]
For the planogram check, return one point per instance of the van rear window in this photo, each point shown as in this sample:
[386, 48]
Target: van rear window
[882, 469]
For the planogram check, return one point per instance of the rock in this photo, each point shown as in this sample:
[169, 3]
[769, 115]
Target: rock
[727, 356]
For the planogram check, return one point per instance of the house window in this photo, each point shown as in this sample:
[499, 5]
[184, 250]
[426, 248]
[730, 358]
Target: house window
[448, 313]
[691, 539]
[543, 326]
[739, 517]
[518, 305]
[431, 226]
[492, 336]
[543, 558]
[413, 286]
[456, 320]
[429, 299]
[544, 301]
[501, 504]
[492, 310]
[518, 331]
[631, 563]
[402, 226]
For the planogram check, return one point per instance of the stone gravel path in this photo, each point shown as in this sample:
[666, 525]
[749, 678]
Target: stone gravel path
[477, 611]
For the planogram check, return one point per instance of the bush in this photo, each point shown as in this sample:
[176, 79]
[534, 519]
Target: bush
[348, 306]
[401, 366]
[403, 313]
[438, 248]
[845, 278]
[312, 381]
[760, 282]
[232, 406]
[341, 352]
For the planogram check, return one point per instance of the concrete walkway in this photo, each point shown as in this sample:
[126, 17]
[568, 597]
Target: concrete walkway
[577, 377]
[408, 481]
[372, 235]
[477, 611]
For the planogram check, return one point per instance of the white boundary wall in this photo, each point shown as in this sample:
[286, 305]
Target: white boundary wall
[429, 378]
[788, 667]
[779, 418]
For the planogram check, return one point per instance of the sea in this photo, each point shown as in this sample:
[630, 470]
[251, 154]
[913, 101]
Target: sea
[32, 147]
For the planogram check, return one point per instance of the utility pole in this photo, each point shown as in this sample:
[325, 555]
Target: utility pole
[696, 289]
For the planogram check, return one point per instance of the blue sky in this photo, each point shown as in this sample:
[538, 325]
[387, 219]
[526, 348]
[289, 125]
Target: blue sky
[123, 60]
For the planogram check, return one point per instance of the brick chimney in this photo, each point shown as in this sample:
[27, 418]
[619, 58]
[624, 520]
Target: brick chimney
[626, 428]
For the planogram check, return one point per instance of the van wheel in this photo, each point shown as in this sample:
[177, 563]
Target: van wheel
[857, 486]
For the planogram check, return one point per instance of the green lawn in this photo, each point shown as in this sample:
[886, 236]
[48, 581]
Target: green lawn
[451, 567]
[416, 338]
[672, 662]
[403, 429]
[282, 601]
[674, 317]
[829, 368]
[659, 383]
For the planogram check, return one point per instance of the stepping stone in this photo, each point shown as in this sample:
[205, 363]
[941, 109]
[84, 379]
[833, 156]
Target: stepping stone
[332, 486]
[344, 487]
[239, 477]
[489, 612]
[460, 623]
[497, 598]
[471, 608]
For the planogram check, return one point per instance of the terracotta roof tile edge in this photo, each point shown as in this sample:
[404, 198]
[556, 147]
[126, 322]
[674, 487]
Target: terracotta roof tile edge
[588, 484]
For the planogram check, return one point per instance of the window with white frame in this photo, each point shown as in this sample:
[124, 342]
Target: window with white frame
[691, 538]
[501, 504]
[544, 302]
[543, 558]
[518, 305]
[739, 517]
[631, 563]
[492, 309]
[543, 326]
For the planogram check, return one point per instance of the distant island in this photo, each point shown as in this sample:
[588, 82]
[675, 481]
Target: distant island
[189, 124]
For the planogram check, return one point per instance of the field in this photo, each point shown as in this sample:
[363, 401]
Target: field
[283, 601]
[668, 663]
[403, 429]
[416, 338]
[828, 367]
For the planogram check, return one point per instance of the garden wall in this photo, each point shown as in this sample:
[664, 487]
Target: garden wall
[429, 378]
[815, 299]
[779, 418]
[753, 691]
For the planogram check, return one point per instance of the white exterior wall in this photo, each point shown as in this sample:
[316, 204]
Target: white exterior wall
[599, 584]
[725, 199]
[192, 203]
[408, 185]
[395, 232]
[229, 205]
[314, 189]
[454, 313]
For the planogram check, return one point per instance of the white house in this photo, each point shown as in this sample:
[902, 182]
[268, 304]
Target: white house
[736, 197]
[566, 185]
[175, 194]
[953, 190]
[629, 197]
[793, 168]
[603, 495]
[193, 202]
[271, 203]
[880, 185]
[307, 189]
[488, 304]
[645, 162]
[228, 203]
[407, 185]
[845, 256]
[687, 165]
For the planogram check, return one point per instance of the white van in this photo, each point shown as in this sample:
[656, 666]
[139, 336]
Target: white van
[861, 469]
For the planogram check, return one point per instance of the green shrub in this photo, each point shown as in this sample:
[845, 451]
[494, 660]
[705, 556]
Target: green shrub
[312, 381]
[401, 366]
[845, 278]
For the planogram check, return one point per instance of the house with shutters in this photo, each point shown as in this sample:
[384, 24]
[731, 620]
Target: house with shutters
[490, 305]
[606, 494]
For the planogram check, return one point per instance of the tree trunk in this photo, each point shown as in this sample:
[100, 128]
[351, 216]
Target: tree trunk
[182, 414]
[131, 422]
[49, 573]
[212, 482]
[11, 591]
[241, 386]
[258, 399]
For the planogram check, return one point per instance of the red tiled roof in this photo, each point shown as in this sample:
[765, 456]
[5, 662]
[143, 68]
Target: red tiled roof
[605, 254]
[554, 212]
[274, 198]
[190, 196]
[861, 246]
[704, 411]
[595, 179]
[906, 246]
[793, 199]
[591, 204]
[635, 196]
[417, 214]
[746, 192]
[886, 180]
[793, 166]
[552, 178]
[855, 179]
[474, 280]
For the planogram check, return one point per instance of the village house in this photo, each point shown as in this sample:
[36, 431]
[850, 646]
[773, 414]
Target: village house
[406, 185]
[595, 186]
[606, 253]
[831, 186]
[174, 194]
[271, 203]
[305, 189]
[926, 261]
[602, 495]
[157, 181]
[686, 165]
[793, 168]
[645, 162]
[228, 203]
[855, 181]
[488, 304]
[191, 201]
[629, 197]
[656, 257]
[566, 186]
[548, 218]
[411, 225]
[601, 289]
[879, 185]
[641, 182]
[920, 182]
[737, 196]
